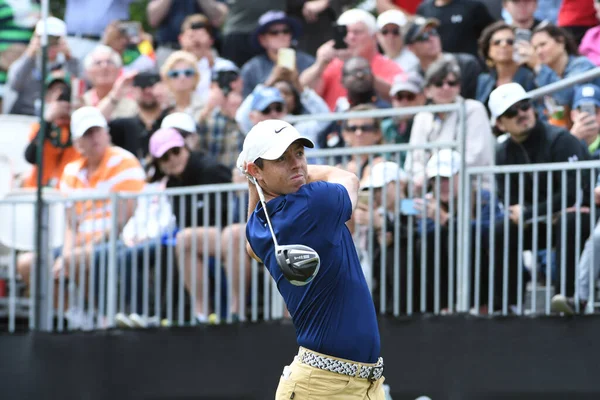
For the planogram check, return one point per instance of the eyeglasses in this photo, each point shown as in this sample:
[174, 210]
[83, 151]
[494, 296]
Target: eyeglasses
[370, 128]
[358, 71]
[176, 73]
[277, 32]
[395, 32]
[439, 84]
[408, 96]
[423, 37]
[175, 151]
[498, 42]
[513, 110]
[275, 107]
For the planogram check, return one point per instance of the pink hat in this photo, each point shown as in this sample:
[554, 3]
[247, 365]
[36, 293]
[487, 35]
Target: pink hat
[164, 140]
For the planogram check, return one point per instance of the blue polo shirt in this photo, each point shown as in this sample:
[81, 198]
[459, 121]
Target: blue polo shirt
[334, 314]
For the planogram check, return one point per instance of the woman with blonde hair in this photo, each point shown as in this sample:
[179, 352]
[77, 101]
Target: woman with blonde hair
[181, 76]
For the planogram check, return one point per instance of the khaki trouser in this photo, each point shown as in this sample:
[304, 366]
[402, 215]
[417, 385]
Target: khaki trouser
[301, 382]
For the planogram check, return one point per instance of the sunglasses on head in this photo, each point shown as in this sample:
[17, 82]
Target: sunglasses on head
[175, 151]
[176, 73]
[405, 96]
[275, 107]
[395, 32]
[498, 42]
[277, 32]
[439, 84]
[370, 128]
[423, 37]
[513, 110]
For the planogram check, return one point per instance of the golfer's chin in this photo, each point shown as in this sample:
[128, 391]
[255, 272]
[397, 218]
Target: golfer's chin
[296, 182]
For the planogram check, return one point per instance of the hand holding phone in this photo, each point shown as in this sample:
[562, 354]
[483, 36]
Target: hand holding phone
[286, 58]
[407, 207]
[588, 107]
[339, 36]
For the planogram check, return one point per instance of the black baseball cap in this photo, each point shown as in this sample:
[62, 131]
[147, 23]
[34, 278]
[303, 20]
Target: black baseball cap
[415, 27]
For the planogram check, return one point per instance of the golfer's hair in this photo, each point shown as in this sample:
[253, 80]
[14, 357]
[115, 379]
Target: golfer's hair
[259, 163]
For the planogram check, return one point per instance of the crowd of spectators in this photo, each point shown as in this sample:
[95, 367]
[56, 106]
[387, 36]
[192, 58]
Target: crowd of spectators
[125, 109]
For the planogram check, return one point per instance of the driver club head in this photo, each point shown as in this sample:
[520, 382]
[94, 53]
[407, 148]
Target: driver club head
[299, 263]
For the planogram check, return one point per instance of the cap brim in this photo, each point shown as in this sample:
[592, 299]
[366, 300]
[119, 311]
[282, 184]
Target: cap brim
[404, 87]
[442, 172]
[92, 123]
[282, 145]
[264, 103]
[291, 22]
[493, 118]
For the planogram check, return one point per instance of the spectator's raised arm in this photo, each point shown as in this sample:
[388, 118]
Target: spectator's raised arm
[156, 11]
[214, 10]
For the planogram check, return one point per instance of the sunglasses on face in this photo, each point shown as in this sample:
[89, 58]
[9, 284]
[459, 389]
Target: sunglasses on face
[176, 73]
[175, 151]
[370, 128]
[408, 96]
[440, 84]
[513, 110]
[394, 32]
[498, 42]
[275, 107]
[423, 37]
[277, 32]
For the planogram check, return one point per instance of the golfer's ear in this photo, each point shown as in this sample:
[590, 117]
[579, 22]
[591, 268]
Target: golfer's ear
[253, 170]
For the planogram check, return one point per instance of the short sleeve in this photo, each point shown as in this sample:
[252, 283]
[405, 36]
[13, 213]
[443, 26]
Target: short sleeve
[329, 202]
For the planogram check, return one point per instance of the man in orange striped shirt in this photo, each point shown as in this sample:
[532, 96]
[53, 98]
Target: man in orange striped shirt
[101, 169]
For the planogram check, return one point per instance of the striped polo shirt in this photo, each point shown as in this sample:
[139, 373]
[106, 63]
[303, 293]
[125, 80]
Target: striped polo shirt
[119, 171]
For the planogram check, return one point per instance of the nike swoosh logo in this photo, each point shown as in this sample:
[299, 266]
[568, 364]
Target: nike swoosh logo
[279, 130]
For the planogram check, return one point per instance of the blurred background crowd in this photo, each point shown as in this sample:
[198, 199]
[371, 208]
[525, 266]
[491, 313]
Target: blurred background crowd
[160, 93]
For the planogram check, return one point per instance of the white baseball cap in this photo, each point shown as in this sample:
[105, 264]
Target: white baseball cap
[56, 27]
[444, 163]
[383, 173]
[85, 118]
[179, 120]
[395, 17]
[269, 139]
[503, 97]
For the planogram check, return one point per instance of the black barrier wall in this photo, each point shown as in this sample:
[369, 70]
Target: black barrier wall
[445, 358]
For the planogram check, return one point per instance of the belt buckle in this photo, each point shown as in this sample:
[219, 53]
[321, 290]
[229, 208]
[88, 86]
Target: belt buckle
[376, 371]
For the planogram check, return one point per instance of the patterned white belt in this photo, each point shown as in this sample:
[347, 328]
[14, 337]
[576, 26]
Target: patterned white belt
[372, 373]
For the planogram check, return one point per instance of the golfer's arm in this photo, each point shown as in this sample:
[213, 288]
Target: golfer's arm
[335, 175]
[252, 202]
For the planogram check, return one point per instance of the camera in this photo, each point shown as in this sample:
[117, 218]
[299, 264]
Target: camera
[224, 80]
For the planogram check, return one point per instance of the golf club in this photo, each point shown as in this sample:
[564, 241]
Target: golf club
[298, 263]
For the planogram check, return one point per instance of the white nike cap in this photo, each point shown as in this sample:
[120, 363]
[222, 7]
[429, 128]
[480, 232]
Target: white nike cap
[503, 97]
[269, 139]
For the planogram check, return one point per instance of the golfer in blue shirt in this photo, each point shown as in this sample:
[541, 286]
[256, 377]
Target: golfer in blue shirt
[334, 314]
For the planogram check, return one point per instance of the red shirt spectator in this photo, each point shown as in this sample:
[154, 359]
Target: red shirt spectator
[577, 13]
[331, 85]
[409, 6]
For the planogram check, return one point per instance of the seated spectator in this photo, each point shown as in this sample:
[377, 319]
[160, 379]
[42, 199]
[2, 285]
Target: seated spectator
[496, 47]
[275, 31]
[25, 76]
[180, 73]
[16, 28]
[219, 134]
[442, 178]
[385, 180]
[522, 13]
[167, 16]
[186, 126]
[133, 134]
[183, 168]
[576, 17]
[460, 23]
[389, 36]
[442, 86]
[197, 38]
[590, 44]
[422, 38]
[109, 90]
[588, 261]
[586, 125]
[552, 55]
[325, 75]
[361, 132]
[58, 147]
[532, 141]
[359, 81]
[132, 44]
[407, 91]
[103, 169]
[269, 103]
